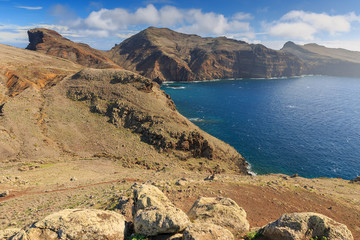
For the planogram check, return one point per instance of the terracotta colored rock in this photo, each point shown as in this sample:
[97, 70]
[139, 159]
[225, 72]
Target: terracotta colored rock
[300, 226]
[220, 211]
[76, 224]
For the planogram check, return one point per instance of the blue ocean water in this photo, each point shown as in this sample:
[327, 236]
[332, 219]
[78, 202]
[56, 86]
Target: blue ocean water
[305, 125]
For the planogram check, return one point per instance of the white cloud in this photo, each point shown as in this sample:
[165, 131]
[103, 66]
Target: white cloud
[297, 30]
[242, 16]
[13, 37]
[305, 25]
[30, 8]
[108, 22]
[18, 34]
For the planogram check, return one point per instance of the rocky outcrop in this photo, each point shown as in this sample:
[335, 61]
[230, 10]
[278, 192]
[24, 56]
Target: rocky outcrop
[155, 214]
[220, 211]
[8, 233]
[207, 231]
[165, 55]
[325, 61]
[76, 224]
[132, 101]
[52, 43]
[300, 226]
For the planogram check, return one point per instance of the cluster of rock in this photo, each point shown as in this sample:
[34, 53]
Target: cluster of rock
[154, 215]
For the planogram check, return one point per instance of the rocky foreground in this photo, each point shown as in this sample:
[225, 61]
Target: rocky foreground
[155, 216]
[43, 191]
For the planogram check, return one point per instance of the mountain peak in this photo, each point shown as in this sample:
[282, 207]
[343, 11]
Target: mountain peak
[52, 43]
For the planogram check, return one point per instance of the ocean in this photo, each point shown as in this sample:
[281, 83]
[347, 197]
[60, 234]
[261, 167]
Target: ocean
[306, 125]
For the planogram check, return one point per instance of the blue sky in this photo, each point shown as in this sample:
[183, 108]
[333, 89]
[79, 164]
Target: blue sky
[102, 24]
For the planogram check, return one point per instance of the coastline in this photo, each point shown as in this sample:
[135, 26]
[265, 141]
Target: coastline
[205, 122]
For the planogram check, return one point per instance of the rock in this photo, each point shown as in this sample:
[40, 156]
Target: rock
[155, 214]
[207, 231]
[8, 233]
[299, 226]
[50, 42]
[294, 175]
[5, 193]
[177, 236]
[76, 224]
[211, 178]
[220, 211]
[355, 180]
[180, 182]
[73, 179]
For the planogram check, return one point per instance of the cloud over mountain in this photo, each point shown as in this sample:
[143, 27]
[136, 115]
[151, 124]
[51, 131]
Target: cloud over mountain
[305, 25]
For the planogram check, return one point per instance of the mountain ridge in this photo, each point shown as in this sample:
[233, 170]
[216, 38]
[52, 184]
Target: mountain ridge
[163, 54]
[326, 61]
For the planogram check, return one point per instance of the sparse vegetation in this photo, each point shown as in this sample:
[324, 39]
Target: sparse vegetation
[319, 238]
[137, 237]
[253, 235]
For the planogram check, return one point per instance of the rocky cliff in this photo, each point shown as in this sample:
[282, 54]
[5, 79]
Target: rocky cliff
[101, 113]
[326, 61]
[166, 55]
[52, 43]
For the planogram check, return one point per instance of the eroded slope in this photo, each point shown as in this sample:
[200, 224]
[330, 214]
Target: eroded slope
[108, 113]
[166, 55]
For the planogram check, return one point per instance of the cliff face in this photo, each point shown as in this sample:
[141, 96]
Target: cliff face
[326, 61]
[97, 113]
[52, 43]
[163, 54]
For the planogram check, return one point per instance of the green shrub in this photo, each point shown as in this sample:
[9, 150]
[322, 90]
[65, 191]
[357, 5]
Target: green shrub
[319, 238]
[252, 235]
[137, 237]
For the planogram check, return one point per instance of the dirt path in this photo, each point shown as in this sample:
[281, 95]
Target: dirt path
[101, 183]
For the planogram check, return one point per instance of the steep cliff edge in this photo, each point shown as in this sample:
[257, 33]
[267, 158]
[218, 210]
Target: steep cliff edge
[326, 61]
[52, 43]
[166, 55]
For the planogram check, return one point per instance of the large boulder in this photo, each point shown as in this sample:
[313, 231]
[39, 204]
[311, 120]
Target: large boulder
[304, 226]
[220, 211]
[207, 231]
[79, 224]
[8, 233]
[155, 214]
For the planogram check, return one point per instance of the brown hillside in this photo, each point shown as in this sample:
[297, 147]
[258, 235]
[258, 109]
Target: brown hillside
[326, 61]
[52, 43]
[109, 113]
[21, 69]
[160, 53]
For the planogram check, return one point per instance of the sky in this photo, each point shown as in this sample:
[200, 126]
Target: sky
[102, 24]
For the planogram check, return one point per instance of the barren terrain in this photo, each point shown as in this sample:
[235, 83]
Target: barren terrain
[99, 183]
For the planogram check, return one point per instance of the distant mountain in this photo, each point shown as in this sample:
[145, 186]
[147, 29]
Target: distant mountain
[326, 61]
[52, 43]
[166, 55]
